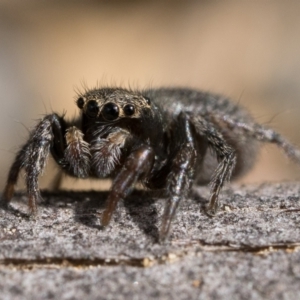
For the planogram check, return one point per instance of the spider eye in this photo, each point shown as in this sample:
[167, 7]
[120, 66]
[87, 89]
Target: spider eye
[110, 111]
[92, 109]
[147, 100]
[129, 109]
[80, 102]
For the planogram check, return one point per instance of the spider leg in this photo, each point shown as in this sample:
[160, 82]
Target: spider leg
[180, 178]
[264, 134]
[225, 155]
[75, 158]
[13, 176]
[48, 135]
[137, 165]
[32, 157]
[77, 153]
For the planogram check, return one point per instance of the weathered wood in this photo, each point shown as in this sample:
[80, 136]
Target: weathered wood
[248, 251]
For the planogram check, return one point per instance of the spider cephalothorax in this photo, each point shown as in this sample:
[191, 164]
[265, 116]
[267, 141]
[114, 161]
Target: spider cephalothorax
[159, 137]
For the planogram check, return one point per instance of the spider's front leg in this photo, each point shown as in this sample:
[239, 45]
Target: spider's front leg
[137, 165]
[48, 135]
[181, 176]
[32, 157]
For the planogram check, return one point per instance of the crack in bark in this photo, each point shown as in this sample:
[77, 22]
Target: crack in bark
[230, 247]
[144, 262]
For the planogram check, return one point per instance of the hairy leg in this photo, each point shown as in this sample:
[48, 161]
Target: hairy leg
[181, 176]
[32, 157]
[48, 135]
[137, 165]
[77, 153]
[225, 155]
[13, 175]
[264, 134]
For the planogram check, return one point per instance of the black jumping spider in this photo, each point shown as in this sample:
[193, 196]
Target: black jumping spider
[159, 137]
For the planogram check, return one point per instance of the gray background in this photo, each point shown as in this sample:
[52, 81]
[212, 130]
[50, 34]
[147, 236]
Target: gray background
[248, 50]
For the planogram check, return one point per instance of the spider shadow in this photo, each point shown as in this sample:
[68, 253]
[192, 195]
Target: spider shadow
[14, 211]
[201, 201]
[86, 211]
[140, 206]
[89, 205]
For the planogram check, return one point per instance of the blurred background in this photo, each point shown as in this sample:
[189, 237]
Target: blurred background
[247, 50]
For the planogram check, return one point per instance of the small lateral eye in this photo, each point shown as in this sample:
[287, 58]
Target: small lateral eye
[147, 100]
[80, 102]
[110, 111]
[129, 109]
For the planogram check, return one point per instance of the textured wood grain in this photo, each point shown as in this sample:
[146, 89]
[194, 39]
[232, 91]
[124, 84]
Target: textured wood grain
[248, 251]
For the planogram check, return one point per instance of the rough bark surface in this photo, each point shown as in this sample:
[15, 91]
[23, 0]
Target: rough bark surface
[250, 250]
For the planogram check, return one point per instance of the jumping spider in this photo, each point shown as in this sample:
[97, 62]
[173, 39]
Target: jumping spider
[159, 137]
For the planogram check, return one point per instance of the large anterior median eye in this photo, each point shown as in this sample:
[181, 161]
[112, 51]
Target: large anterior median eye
[110, 111]
[92, 109]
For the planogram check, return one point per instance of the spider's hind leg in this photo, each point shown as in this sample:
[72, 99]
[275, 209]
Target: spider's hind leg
[266, 135]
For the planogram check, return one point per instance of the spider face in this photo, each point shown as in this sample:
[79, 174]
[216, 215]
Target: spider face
[113, 106]
[158, 137]
[114, 121]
